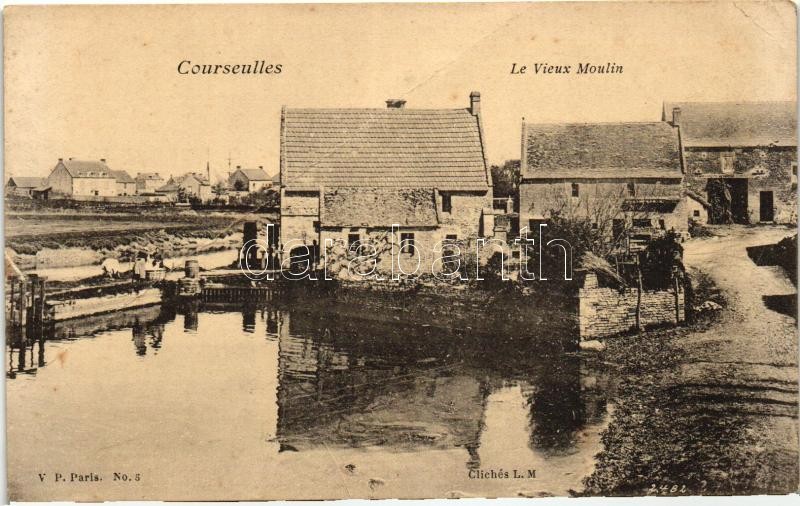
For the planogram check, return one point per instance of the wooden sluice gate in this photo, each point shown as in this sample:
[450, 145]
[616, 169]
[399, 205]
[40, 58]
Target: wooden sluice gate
[195, 286]
[237, 294]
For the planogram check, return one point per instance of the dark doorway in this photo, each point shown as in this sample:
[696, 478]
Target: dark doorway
[728, 199]
[767, 209]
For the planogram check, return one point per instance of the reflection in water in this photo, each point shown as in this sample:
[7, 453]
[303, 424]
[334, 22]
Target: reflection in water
[370, 384]
[346, 383]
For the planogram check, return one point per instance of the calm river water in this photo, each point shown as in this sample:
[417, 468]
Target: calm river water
[225, 402]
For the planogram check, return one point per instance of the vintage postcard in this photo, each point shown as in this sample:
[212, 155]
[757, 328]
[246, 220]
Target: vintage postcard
[263, 252]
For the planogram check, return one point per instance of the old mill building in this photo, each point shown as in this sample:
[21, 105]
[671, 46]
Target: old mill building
[623, 177]
[742, 156]
[350, 174]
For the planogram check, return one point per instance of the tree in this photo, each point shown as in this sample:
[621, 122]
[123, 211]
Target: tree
[219, 189]
[506, 178]
[264, 197]
[239, 185]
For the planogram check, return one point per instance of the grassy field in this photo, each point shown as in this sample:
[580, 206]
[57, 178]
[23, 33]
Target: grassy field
[33, 226]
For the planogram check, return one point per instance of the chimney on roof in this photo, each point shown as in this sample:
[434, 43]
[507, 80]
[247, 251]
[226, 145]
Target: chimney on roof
[260, 166]
[103, 160]
[475, 103]
[60, 159]
[238, 166]
[676, 116]
[70, 158]
[395, 103]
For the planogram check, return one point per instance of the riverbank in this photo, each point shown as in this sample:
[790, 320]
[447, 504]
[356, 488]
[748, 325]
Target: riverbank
[710, 408]
[73, 239]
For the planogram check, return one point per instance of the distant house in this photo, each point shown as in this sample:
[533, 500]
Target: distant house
[350, 174]
[197, 185]
[24, 186]
[250, 180]
[623, 177]
[169, 190]
[148, 182]
[77, 178]
[742, 156]
[191, 184]
[126, 185]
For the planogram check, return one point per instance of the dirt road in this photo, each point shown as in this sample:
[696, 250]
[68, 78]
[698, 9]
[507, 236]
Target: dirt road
[749, 359]
[711, 408]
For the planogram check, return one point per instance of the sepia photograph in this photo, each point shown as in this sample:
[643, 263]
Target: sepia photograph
[400, 250]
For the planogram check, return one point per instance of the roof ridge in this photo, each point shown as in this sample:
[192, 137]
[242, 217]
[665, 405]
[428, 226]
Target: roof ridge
[527, 124]
[712, 102]
[381, 109]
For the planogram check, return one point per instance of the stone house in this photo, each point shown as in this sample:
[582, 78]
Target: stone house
[126, 185]
[350, 174]
[148, 182]
[623, 177]
[191, 184]
[741, 156]
[169, 190]
[249, 180]
[24, 186]
[78, 178]
[697, 207]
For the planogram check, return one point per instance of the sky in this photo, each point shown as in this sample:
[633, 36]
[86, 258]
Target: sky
[101, 82]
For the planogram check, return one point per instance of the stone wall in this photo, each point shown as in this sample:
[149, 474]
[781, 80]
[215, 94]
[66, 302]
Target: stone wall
[604, 311]
[596, 196]
[104, 186]
[464, 220]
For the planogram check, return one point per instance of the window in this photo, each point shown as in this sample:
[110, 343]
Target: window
[447, 203]
[696, 213]
[352, 239]
[407, 243]
[642, 222]
[726, 163]
[631, 189]
[451, 238]
[662, 224]
[594, 225]
[576, 190]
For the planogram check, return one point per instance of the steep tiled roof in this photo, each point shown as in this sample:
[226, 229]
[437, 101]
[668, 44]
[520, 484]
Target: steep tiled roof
[400, 148]
[720, 124]
[378, 207]
[27, 182]
[169, 187]
[199, 177]
[601, 150]
[122, 177]
[255, 174]
[87, 168]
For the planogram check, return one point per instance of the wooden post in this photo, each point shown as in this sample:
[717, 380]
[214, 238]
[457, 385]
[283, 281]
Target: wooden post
[33, 310]
[638, 296]
[21, 301]
[675, 285]
[10, 315]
